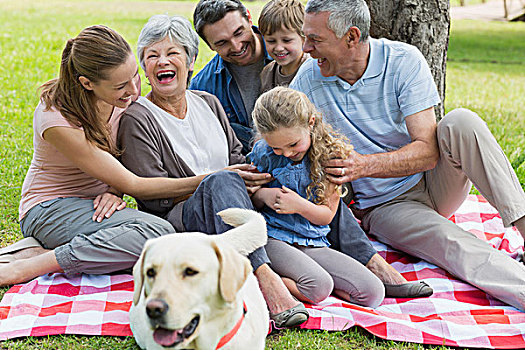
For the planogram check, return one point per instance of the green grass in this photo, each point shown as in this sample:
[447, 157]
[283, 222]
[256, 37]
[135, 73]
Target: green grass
[468, 2]
[486, 73]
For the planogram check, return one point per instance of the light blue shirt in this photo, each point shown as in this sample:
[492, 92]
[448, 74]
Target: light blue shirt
[290, 228]
[371, 113]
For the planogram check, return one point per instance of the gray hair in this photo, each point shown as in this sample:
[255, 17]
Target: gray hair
[211, 11]
[177, 28]
[343, 15]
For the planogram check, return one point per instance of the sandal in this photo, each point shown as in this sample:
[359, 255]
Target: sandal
[418, 289]
[292, 317]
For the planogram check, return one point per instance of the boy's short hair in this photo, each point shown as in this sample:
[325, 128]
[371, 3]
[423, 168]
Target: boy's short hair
[277, 14]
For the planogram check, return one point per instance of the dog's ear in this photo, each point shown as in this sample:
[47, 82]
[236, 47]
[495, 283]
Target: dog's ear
[138, 278]
[233, 271]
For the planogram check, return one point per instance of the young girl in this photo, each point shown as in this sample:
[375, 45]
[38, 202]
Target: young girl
[300, 203]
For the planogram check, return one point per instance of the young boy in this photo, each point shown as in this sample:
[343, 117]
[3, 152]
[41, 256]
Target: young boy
[280, 24]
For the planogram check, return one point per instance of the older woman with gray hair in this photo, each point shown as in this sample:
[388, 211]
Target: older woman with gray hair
[177, 133]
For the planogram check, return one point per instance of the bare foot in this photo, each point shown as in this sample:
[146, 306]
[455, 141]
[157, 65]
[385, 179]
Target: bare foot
[386, 273]
[23, 270]
[277, 296]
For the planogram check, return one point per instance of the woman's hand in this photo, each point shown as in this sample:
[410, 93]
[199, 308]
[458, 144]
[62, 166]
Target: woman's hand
[253, 179]
[106, 204]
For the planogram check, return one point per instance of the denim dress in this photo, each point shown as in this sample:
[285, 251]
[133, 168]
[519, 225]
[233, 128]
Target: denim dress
[290, 228]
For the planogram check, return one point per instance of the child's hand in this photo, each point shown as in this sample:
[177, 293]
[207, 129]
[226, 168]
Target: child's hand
[269, 196]
[287, 201]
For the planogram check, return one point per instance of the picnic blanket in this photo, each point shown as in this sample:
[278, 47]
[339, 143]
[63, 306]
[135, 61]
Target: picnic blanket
[456, 315]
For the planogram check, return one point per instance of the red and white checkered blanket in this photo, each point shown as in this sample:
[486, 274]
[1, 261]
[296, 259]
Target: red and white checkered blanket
[456, 315]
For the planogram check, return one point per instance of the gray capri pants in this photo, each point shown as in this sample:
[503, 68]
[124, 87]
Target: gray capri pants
[319, 271]
[85, 246]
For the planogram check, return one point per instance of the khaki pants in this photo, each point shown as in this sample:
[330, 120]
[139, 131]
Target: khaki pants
[416, 222]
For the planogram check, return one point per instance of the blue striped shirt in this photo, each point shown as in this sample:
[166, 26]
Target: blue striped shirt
[371, 113]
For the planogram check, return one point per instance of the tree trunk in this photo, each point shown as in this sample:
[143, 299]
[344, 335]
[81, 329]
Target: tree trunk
[424, 24]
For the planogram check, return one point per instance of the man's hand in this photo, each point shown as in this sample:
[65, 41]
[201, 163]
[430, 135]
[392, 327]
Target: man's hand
[253, 179]
[105, 205]
[421, 154]
[340, 171]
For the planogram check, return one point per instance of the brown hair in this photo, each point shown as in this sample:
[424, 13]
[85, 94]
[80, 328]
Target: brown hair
[281, 13]
[288, 108]
[93, 54]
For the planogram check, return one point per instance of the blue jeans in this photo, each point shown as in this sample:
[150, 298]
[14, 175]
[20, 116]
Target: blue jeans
[219, 191]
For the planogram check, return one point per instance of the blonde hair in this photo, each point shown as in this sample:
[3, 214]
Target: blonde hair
[93, 54]
[283, 107]
[278, 14]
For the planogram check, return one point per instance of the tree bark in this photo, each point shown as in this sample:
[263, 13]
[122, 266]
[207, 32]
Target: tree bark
[424, 24]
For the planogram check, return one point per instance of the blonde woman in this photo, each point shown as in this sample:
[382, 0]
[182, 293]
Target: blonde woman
[300, 203]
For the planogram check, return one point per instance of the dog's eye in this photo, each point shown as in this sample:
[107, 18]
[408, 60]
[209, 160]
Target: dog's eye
[190, 272]
[151, 272]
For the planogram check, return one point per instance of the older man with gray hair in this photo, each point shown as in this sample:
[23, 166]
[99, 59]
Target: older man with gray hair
[409, 173]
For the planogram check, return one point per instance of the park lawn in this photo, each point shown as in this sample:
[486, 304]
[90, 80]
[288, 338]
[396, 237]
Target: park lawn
[469, 2]
[486, 73]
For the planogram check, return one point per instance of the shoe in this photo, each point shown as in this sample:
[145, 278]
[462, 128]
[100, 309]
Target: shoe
[418, 289]
[292, 317]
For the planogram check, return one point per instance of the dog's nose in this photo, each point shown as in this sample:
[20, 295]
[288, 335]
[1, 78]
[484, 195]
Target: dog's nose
[156, 308]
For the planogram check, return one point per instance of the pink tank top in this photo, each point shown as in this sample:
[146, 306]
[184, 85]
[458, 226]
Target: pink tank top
[51, 175]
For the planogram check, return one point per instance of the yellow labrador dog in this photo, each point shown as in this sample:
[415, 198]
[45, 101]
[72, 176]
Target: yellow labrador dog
[197, 291]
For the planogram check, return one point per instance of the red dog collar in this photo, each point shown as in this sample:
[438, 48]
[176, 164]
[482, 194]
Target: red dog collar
[224, 340]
